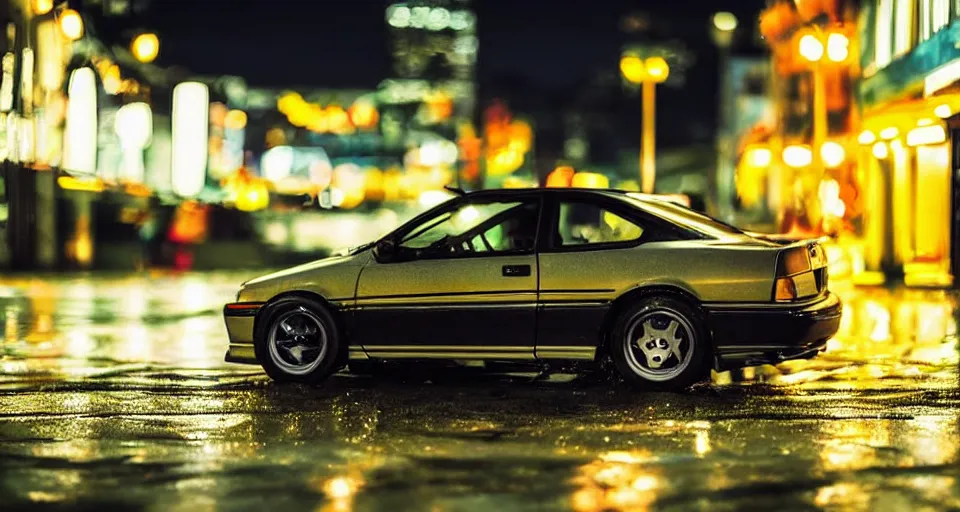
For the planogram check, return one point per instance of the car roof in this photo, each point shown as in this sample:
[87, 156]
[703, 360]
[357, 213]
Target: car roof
[649, 204]
[507, 192]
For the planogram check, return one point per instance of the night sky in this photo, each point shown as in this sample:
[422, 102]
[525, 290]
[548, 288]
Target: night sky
[550, 44]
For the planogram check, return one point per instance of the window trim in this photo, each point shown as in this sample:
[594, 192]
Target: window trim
[458, 203]
[546, 244]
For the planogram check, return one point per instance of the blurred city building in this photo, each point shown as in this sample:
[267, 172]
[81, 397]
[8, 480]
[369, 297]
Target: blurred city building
[434, 47]
[866, 97]
[910, 55]
[96, 139]
[746, 119]
[812, 44]
[143, 155]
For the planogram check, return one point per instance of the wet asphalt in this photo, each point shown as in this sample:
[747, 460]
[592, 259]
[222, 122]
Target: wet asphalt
[114, 396]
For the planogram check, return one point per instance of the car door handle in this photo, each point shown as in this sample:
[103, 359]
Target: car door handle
[516, 270]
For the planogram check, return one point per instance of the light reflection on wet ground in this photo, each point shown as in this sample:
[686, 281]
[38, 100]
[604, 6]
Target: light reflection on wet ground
[113, 393]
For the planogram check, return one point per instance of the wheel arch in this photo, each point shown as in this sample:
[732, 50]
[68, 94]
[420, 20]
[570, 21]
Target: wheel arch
[264, 313]
[639, 293]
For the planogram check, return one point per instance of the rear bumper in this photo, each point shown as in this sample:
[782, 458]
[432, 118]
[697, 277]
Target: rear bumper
[746, 335]
[240, 317]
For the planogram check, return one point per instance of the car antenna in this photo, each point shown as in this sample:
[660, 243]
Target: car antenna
[456, 190]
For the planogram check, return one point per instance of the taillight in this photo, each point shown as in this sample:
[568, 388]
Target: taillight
[786, 289]
[794, 278]
[793, 262]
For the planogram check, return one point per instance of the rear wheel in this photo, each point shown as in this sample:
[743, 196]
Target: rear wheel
[299, 342]
[660, 343]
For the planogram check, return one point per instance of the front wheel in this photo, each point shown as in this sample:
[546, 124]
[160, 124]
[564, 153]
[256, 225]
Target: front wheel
[299, 342]
[660, 343]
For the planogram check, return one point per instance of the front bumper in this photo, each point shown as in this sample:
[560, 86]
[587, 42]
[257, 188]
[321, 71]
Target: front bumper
[753, 335]
[240, 317]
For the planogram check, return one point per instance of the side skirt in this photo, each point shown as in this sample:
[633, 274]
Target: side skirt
[472, 352]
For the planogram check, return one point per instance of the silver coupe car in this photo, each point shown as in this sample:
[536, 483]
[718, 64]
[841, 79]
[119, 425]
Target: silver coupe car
[543, 276]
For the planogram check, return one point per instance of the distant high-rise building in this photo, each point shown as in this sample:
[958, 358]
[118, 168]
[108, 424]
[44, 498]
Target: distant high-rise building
[434, 47]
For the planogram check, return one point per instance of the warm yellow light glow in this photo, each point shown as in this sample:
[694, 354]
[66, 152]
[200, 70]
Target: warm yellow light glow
[832, 154]
[81, 184]
[235, 120]
[838, 47]
[189, 132]
[71, 24]
[589, 180]
[111, 80]
[560, 177]
[926, 135]
[363, 114]
[253, 196]
[797, 156]
[80, 133]
[725, 21]
[633, 69]
[145, 47]
[926, 121]
[42, 7]
[289, 102]
[880, 150]
[830, 203]
[811, 48]
[657, 69]
[889, 133]
[943, 111]
[866, 138]
[760, 157]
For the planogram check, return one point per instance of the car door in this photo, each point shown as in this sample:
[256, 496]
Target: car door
[588, 237]
[463, 283]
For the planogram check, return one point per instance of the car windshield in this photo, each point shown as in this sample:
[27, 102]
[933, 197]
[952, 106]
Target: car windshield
[686, 217]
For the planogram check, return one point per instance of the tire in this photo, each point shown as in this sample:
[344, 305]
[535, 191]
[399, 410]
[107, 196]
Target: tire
[298, 341]
[676, 352]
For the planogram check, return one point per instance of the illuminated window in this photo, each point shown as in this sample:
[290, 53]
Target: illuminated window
[926, 21]
[884, 33]
[190, 133]
[905, 27]
[934, 15]
[80, 136]
[941, 15]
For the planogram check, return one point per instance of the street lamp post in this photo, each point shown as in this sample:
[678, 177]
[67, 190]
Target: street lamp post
[647, 73]
[722, 32]
[814, 47]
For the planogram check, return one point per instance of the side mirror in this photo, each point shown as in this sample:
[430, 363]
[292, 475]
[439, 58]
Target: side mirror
[385, 250]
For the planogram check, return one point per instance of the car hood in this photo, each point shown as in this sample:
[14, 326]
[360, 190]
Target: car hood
[332, 261]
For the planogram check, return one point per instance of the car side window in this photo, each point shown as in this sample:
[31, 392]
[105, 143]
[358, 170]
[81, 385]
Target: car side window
[505, 227]
[583, 223]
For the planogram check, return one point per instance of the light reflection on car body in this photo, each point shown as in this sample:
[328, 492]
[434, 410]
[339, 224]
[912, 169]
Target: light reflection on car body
[691, 292]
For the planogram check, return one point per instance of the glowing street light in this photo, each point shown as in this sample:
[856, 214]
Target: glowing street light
[838, 47]
[41, 7]
[145, 47]
[633, 69]
[725, 21]
[648, 73]
[657, 69]
[71, 24]
[811, 48]
[832, 154]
